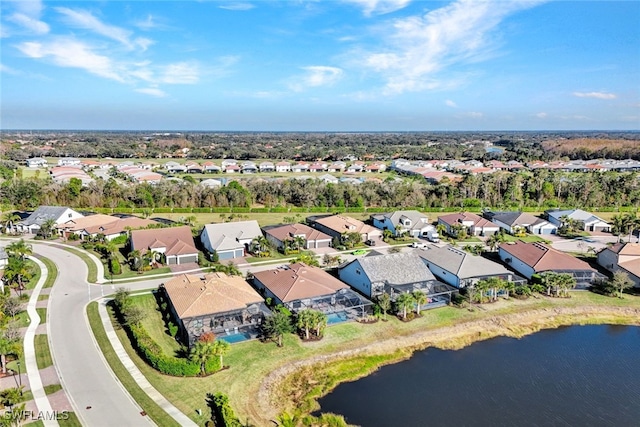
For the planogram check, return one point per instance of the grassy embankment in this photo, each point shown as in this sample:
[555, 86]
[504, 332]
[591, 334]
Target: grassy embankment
[264, 380]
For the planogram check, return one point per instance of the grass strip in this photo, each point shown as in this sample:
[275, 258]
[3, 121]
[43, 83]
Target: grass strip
[157, 414]
[69, 419]
[43, 354]
[52, 388]
[92, 275]
[52, 274]
[42, 313]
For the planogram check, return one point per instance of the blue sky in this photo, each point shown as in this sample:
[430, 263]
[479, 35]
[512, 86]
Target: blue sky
[350, 65]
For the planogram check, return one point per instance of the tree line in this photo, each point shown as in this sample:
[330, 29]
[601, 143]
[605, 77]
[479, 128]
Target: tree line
[539, 189]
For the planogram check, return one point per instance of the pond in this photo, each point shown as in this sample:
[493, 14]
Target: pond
[579, 375]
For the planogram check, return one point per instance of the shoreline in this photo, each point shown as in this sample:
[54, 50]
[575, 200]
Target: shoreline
[271, 401]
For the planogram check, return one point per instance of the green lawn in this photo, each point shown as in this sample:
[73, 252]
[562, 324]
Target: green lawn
[52, 388]
[52, 271]
[154, 324]
[250, 362]
[155, 412]
[42, 313]
[43, 354]
[22, 318]
[68, 419]
[43, 297]
[37, 273]
[529, 238]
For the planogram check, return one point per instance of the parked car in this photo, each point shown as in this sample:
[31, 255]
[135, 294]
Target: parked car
[359, 252]
[418, 245]
[370, 242]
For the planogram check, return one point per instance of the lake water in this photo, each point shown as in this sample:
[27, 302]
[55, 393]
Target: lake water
[573, 376]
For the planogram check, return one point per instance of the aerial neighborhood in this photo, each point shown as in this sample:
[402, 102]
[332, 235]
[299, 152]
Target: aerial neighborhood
[237, 255]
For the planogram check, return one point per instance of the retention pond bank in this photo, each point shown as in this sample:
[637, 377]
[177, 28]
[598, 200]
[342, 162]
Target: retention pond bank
[579, 375]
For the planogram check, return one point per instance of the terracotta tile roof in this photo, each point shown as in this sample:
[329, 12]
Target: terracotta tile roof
[193, 295]
[176, 240]
[78, 224]
[626, 248]
[543, 258]
[287, 232]
[458, 218]
[120, 225]
[345, 224]
[299, 281]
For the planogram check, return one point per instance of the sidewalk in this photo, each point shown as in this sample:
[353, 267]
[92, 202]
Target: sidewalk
[35, 382]
[139, 378]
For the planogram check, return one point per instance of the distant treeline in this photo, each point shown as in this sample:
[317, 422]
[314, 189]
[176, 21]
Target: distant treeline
[592, 148]
[521, 146]
[539, 189]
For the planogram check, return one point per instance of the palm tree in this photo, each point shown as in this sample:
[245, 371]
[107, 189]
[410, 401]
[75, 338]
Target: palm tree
[564, 282]
[16, 273]
[47, 227]
[495, 240]
[619, 225]
[384, 302]
[319, 322]
[276, 325]
[20, 249]
[7, 346]
[420, 298]
[305, 321]
[631, 223]
[135, 259]
[300, 242]
[220, 348]
[308, 258]
[8, 219]
[201, 353]
[404, 302]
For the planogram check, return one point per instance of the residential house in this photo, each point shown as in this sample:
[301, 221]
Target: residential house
[376, 167]
[300, 167]
[210, 167]
[587, 220]
[299, 286]
[623, 257]
[4, 258]
[108, 226]
[356, 167]
[229, 239]
[58, 214]
[534, 258]
[224, 305]
[393, 274]
[329, 179]
[338, 225]
[474, 224]
[267, 167]
[249, 167]
[211, 183]
[318, 167]
[460, 268]
[232, 169]
[37, 162]
[194, 168]
[69, 161]
[398, 222]
[280, 235]
[338, 166]
[174, 167]
[515, 222]
[175, 244]
[228, 162]
[283, 167]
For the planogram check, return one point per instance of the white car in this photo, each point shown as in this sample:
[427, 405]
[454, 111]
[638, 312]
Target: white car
[418, 245]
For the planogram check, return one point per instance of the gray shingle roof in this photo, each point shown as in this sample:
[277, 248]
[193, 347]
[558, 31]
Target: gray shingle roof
[395, 269]
[224, 236]
[42, 214]
[461, 263]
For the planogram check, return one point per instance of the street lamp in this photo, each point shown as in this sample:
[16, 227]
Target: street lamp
[19, 377]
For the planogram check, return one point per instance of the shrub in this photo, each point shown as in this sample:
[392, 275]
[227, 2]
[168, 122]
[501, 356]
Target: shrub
[114, 266]
[221, 411]
[173, 329]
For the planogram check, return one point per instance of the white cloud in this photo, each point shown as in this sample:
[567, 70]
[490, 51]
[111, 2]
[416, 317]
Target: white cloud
[153, 91]
[237, 6]
[179, 73]
[84, 19]
[27, 15]
[541, 115]
[147, 24]
[597, 95]
[450, 103]
[32, 24]
[144, 43]
[8, 70]
[419, 48]
[315, 76]
[379, 7]
[74, 54]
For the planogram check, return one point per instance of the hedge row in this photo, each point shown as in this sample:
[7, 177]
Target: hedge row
[223, 414]
[152, 353]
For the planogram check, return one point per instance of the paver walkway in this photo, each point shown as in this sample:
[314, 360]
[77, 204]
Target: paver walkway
[39, 396]
[139, 378]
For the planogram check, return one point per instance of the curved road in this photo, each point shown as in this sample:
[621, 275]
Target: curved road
[96, 395]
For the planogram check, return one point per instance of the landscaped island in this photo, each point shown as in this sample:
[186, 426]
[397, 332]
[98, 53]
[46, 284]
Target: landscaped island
[264, 380]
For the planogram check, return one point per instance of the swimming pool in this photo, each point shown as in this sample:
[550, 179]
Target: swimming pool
[234, 338]
[337, 318]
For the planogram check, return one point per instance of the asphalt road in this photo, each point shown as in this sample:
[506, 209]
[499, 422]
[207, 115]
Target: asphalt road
[96, 395]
